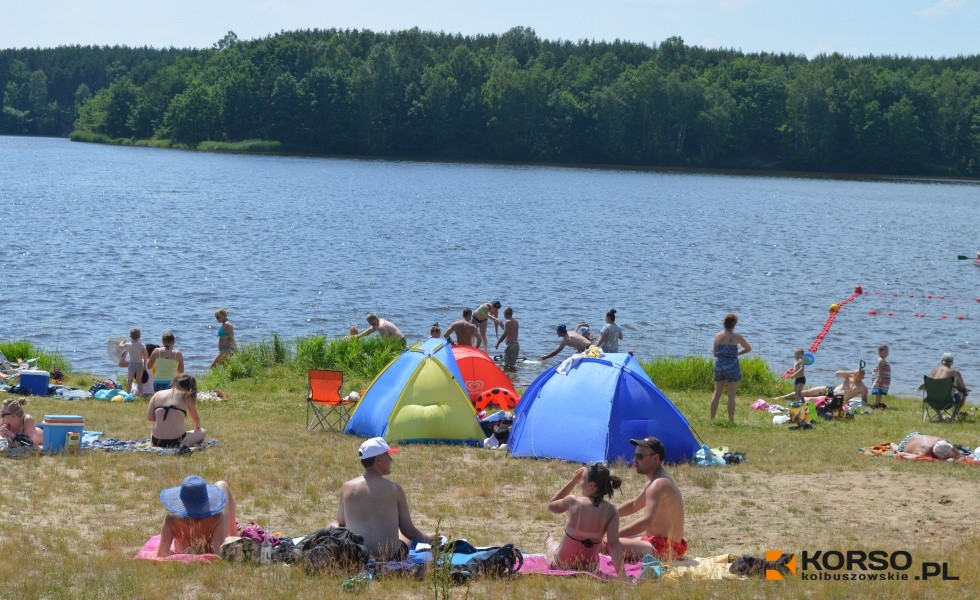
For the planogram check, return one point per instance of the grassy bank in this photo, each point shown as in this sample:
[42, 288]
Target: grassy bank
[244, 146]
[74, 523]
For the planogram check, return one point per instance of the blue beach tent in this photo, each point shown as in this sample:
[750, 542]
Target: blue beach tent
[590, 414]
[418, 397]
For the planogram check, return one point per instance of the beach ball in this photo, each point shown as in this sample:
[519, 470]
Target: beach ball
[834, 307]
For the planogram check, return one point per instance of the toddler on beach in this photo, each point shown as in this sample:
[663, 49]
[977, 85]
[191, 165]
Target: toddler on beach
[882, 377]
[798, 374]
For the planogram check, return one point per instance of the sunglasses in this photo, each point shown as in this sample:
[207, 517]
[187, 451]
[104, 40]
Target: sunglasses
[639, 456]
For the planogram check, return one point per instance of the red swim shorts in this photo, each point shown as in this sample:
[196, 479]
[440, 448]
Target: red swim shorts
[660, 544]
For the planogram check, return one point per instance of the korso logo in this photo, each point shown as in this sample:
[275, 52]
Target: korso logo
[778, 564]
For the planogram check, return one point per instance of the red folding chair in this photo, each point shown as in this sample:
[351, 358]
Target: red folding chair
[324, 406]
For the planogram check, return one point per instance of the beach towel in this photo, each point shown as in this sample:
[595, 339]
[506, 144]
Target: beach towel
[885, 449]
[113, 445]
[149, 552]
[537, 564]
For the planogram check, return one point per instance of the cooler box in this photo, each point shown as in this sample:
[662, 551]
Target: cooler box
[56, 428]
[36, 382]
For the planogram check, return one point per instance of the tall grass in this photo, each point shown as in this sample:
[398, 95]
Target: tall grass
[243, 146]
[696, 373]
[360, 360]
[46, 361]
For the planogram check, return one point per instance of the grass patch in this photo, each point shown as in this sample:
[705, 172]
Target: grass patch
[79, 520]
[249, 146]
[696, 373]
[46, 361]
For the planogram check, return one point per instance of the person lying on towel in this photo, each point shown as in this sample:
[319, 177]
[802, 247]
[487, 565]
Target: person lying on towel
[201, 517]
[916, 445]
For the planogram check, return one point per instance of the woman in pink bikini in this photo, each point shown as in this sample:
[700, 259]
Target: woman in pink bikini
[590, 519]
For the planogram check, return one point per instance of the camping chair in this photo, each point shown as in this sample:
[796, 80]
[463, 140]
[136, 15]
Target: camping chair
[330, 411]
[10, 369]
[937, 399]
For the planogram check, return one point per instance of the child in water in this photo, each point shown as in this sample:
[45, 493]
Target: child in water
[590, 518]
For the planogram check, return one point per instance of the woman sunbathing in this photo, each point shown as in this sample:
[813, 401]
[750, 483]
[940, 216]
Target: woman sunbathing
[852, 386]
[169, 408]
[13, 421]
[590, 518]
[201, 517]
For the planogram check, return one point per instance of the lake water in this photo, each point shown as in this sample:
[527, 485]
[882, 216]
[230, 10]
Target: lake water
[99, 239]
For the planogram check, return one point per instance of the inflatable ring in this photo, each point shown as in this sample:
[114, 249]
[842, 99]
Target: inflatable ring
[503, 398]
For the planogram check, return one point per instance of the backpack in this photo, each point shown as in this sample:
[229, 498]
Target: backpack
[335, 547]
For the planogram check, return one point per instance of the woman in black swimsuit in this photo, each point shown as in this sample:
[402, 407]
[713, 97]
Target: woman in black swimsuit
[169, 408]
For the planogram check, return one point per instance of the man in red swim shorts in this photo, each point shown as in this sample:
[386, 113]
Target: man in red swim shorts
[660, 528]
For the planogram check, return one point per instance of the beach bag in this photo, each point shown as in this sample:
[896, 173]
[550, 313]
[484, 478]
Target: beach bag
[244, 550]
[501, 561]
[799, 412]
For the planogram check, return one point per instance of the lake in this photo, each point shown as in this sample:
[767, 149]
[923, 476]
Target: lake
[100, 239]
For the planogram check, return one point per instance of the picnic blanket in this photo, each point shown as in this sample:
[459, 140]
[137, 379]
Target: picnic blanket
[537, 564]
[113, 445]
[149, 552]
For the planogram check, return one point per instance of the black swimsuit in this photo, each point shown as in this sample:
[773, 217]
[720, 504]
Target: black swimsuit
[168, 443]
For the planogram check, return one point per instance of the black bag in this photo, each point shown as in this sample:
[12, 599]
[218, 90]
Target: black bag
[22, 440]
[503, 561]
[335, 547]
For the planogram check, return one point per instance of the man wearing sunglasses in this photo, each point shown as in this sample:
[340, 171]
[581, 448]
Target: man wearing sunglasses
[660, 528]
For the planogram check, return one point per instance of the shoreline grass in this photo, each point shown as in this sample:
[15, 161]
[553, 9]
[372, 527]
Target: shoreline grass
[75, 522]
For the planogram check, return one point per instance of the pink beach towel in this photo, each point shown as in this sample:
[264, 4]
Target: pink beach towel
[149, 552]
[537, 564]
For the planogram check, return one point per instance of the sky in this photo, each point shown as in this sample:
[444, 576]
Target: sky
[925, 28]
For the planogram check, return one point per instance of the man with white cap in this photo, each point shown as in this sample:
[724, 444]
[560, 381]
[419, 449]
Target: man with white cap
[376, 508]
[916, 445]
[201, 516]
[945, 370]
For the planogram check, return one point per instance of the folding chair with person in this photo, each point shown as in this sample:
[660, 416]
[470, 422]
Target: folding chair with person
[938, 403]
[329, 409]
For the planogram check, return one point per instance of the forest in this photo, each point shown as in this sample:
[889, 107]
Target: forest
[510, 97]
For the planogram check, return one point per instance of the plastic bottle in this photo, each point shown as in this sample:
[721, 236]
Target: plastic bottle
[3, 443]
[265, 554]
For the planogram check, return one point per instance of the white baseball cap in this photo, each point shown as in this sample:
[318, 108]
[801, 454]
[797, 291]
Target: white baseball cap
[375, 446]
[942, 449]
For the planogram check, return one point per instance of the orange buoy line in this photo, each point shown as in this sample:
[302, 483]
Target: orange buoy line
[834, 311]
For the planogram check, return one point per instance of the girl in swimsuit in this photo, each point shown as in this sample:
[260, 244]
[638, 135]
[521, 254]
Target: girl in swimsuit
[169, 408]
[226, 337]
[165, 363]
[487, 312]
[14, 420]
[590, 518]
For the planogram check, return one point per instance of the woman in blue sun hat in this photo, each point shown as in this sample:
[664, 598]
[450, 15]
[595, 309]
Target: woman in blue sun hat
[201, 516]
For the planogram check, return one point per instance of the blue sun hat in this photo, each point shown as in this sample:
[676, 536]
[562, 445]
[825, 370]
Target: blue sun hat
[194, 498]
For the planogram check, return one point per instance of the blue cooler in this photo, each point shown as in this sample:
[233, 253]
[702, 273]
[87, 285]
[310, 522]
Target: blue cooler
[36, 382]
[56, 428]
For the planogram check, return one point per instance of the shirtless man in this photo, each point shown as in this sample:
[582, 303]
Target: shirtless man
[467, 333]
[384, 327]
[201, 517]
[660, 528]
[916, 444]
[945, 369]
[376, 508]
[512, 349]
[574, 339]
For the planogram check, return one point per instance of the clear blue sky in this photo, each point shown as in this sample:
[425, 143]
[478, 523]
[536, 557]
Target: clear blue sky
[851, 27]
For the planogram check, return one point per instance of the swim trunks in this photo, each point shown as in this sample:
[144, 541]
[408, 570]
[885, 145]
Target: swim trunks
[799, 381]
[660, 544]
[877, 391]
[901, 445]
[511, 351]
[164, 443]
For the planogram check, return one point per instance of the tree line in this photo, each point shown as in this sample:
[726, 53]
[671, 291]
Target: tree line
[512, 97]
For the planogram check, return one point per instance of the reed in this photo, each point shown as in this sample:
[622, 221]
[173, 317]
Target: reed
[257, 146]
[696, 373]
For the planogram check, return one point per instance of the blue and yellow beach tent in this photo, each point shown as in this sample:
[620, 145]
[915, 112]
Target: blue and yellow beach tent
[590, 413]
[418, 397]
